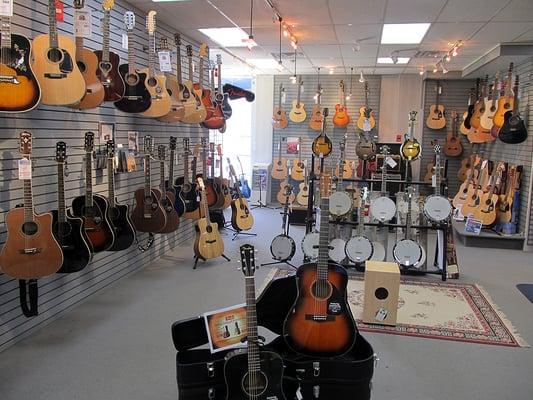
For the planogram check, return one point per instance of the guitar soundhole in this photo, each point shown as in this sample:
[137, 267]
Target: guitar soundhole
[152, 82]
[169, 92]
[321, 289]
[63, 229]
[105, 67]
[29, 228]
[254, 384]
[55, 55]
[148, 200]
[81, 66]
[132, 79]
[209, 229]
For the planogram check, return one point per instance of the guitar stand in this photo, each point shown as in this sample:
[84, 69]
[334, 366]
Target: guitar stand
[279, 262]
[237, 232]
[196, 258]
[260, 203]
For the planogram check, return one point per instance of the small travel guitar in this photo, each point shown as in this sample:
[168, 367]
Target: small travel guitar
[279, 164]
[410, 149]
[252, 373]
[486, 212]
[514, 129]
[283, 246]
[137, 98]
[279, 118]
[298, 167]
[198, 113]
[93, 208]
[54, 67]
[322, 146]
[117, 213]
[366, 121]
[68, 230]
[282, 188]
[148, 215]
[208, 242]
[341, 117]
[241, 217]
[222, 98]
[177, 111]
[320, 322]
[245, 188]
[168, 197]
[297, 113]
[215, 118]
[224, 183]
[505, 102]
[453, 146]
[303, 189]
[179, 202]
[19, 89]
[185, 188]
[436, 118]
[315, 122]
[31, 250]
[490, 106]
[109, 61]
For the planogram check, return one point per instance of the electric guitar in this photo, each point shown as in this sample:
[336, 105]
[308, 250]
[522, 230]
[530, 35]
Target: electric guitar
[341, 117]
[208, 243]
[54, 67]
[297, 113]
[177, 111]
[505, 102]
[279, 164]
[320, 322]
[168, 196]
[410, 149]
[179, 202]
[322, 146]
[185, 188]
[453, 146]
[298, 168]
[315, 122]
[279, 118]
[514, 129]
[241, 217]
[436, 118]
[366, 121]
[198, 113]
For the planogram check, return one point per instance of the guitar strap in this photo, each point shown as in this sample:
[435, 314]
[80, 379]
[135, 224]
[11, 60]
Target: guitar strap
[29, 288]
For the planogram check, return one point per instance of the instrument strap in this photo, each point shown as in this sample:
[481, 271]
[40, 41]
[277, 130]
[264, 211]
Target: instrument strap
[149, 243]
[29, 288]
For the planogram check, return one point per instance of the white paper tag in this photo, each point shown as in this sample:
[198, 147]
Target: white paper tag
[164, 61]
[457, 214]
[82, 23]
[390, 162]
[434, 180]
[24, 169]
[366, 126]
[125, 41]
[381, 314]
[283, 98]
[6, 8]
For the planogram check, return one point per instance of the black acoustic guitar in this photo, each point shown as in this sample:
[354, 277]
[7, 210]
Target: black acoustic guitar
[252, 373]
[185, 188]
[117, 213]
[513, 130]
[66, 228]
[179, 203]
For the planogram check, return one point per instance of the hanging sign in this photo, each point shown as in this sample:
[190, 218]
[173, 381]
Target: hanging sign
[164, 61]
[60, 11]
[82, 23]
[24, 169]
[6, 8]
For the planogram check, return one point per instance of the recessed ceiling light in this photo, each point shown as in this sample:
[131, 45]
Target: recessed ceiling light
[268, 63]
[227, 37]
[388, 60]
[404, 33]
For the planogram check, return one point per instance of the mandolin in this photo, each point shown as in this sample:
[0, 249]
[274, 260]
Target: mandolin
[298, 167]
[241, 217]
[490, 106]
[177, 111]
[297, 113]
[168, 196]
[320, 322]
[279, 164]
[198, 113]
[208, 242]
[179, 202]
[322, 146]
[148, 215]
[436, 118]
[341, 117]
[136, 97]
[506, 101]
[410, 149]
[366, 121]
[453, 146]
[315, 122]
[224, 183]
[486, 212]
[93, 208]
[54, 67]
[215, 116]
[279, 118]
[365, 149]
[19, 89]
[185, 188]
[514, 129]
[31, 250]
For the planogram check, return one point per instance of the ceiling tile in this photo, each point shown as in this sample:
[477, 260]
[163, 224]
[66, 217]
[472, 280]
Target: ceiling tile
[371, 33]
[517, 10]
[450, 32]
[500, 32]
[318, 34]
[326, 63]
[268, 36]
[366, 50]
[405, 11]
[406, 50]
[469, 10]
[360, 62]
[475, 49]
[322, 51]
[526, 37]
[312, 12]
[179, 15]
[389, 71]
[239, 12]
[356, 11]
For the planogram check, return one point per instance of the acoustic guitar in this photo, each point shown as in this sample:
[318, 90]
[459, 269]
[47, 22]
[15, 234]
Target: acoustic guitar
[297, 113]
[322, 146]
[453, 146]
[466, 164]
[19, 89]
[215, 180]
[505, 102]
[109, 61]
[93, 208]
[506, 200]
[211, 186]
[490, 105]
[241, 217]
[436, 118]
[208, 243]
[281, 195]
[514, 129]
[222, 97]
[298, 167]
[279, 164]
[168, 196]
[303, 190]
[279, 118]
[315, 122]
[479, 106]
[179, 202]
[31, 250]
[54, 67]
[462, 194]
[198, 113]
[206, 93]
[320, 322]
[465, 126]
[410, 149]
[215, 116]
[185, 188]
[177, 111]
[148, 214]
[486, 212]
[366, 121]
[474, 192]
[224, 183]
[341, 117]
[137, 98]
[347, 171]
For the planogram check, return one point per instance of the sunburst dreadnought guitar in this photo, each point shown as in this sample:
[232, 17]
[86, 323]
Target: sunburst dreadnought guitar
[168, 197]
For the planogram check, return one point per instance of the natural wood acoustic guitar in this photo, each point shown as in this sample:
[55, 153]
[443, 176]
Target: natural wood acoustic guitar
[208, 243]
[298, 113]
[453, 146]
[298, 167]
[177, 110]
[198, 113]
[279, 117]
[315, 122]
[366, 121]
[505, 102]
[279, 164]
[241, 216]
[436, 118]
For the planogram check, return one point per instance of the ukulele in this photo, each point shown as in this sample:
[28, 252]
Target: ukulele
[31, 250]
[514, 129]
[490, 105]
[241, 217]
[198, 113]
[19, 89]
[137, 98]
[297, 113]
[179, 202]
[177, 110]
[208, 242]
[410, 149]
[322, 145]
[505, 102]
[453, 146]
[303, 189]
[148, 215]
[108, 61]
[465, 125]
[341, 117]
[168, 196]
[366, 121]
[221, 97]
[279, 118]
[486, 212]
[186, 189]
[279, 168]
[215, 116]
[68, 230]
[117, 213]
[224, 183]
[283, 187]
[320, 322]
[436, 118]
[252, 373]
[297, 170]
[315, 122]
[53, 65]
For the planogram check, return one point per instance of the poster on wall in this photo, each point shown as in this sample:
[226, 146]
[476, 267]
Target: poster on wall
[226, 328]
[292, 145]
[106, 131]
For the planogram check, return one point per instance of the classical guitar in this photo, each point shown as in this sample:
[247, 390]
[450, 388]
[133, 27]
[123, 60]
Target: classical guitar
[241, 217]
[279, 118]
[252, 373]
[315, 122]
[490, 106]
[486, 212]
[137, 98]
[93, 208]
[68, 230]
[54, 67]
[279, 164]
[215, 117]
[341, 117]
[31, 250]
[436, 118]
[514, 129]
[208, 243]
[453, 146]
[366, 121]
[109, 61]
[298, 167]
[297, 113]
[283, 188]
[177, 111]
[505, 102]
[117, 213]
[303, 190]
[168, 197]
[185, 188]
[19, 89]
[221, 97]
[224, 183]
[322, 146]
[179, 201]
[148, 214]
[410, 149]
[320, 322]
[198, 113]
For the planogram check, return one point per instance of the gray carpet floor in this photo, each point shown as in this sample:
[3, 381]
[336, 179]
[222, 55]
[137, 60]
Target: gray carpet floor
[117, 345]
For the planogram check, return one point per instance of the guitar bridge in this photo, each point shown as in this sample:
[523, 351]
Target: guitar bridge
[30, 251]
[133, 98]
[147, 216]
[156, 97]
[210, 241]
[9, 79]
[55, 76]
[319, 318]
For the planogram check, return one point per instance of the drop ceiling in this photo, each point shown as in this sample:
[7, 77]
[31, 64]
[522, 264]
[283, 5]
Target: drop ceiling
[327, 29]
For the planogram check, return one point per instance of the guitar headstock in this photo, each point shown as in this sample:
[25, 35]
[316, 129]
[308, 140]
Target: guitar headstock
[212, 147]
[163, 43]
[203, 143]
[186, 145]
[89, 142]
[412, 118]
[110, 148]
[201, 184]
[325, 184]
[325, 112]
[177, 39]
[203, 50]
[437, 148]
[248, 260]
[231, 169]
[172, 143]
[366, 87]
[61, 152]
[219, 60]
[150, 21]
[78, 4]
[25, 143]
[196, 151]
[385, 150]
[148, 145]
[189, 51]
[129, 20]
[410, 191]
[341, 85]
[107, 5]
[161, 152]
[288, 190]
[438, 88]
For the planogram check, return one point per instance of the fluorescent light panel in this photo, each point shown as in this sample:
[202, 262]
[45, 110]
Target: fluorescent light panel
[227, 37]
[388, 60]
[404, 33]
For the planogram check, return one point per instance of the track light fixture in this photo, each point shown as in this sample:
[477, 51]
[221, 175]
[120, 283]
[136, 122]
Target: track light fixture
[361, 77]
[394, 56]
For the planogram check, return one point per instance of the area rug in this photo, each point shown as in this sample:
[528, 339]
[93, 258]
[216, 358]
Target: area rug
[438, 310]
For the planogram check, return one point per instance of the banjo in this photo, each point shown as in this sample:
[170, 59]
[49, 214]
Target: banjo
[340, 203]
[407, 252]
[359, 248]
[310, 245]
[383, 208]
[437, 208]
[283, 247]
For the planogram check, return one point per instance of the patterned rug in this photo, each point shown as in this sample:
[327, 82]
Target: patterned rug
[438, 310]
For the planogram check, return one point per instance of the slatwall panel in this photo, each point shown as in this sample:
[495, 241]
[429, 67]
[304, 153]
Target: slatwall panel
[48, 124]
[330, 97]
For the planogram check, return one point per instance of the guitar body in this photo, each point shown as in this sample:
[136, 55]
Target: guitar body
[479, 135]
[136, 97]
[216, 119]
[504, 214]
[362, 118]
[410, 149]
[303, 194]
[193, 114]
[58, 74]
[297, 113]
[453, 146]
[485, 120]
[475, 119]
[211, 192]
[46, 260]
[96, 226]
[504, 105]
[281, 195]
[19, 90]
[73, 242]
[160, 99]
[365, 148]
[322, 146]
[331, 336]
[347, 170]
[265, 385]
[245, 188]
[462, 194]
[486, 212]
[298, 171]
[341, 117]
[472, 201]
[109, 76]
[315, 123]
[513, 130]
[187, 192]
[188, 102]
[177, 110]
[208, 242]
[462, 128]
[119, 216]
[436, 118]
[463, 170]
[279, 168]
[279, 118]
[94, 90]
[172, 218]
[241, 217]
[152, 221]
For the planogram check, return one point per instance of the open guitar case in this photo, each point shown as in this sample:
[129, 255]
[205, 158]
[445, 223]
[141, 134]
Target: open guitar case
[200, 374]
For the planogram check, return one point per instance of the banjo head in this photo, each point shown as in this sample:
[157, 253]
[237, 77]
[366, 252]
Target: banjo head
[437, 208]
[340, 203]
[310, 245]
[282, 248]
[359, 249]
[382, 208]
[336, 251]
[407, 253]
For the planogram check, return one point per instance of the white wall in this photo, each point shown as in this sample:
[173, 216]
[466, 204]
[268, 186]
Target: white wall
[262, 110]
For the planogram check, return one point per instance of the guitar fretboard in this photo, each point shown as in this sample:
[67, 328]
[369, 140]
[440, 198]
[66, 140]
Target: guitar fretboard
[110, 182]
[52, 24]
[254, 363]
[147, 172]
[131, 53]
[88, 180]
[323, 241]
[5, 40]
[61, 207]
[162, 175]
[28, 201]
[151, 55]
[105, 45]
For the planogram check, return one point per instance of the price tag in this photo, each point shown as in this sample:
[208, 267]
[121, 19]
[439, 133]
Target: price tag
[390, 162]
[60, 14]
[434, 180]
[164, 61]
[399, 138]
[125, 41]
[24, 169]
[82, 23]
[283, 98]
[6, 8]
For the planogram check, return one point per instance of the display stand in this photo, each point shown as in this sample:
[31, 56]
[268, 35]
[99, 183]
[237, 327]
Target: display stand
[196, 258]
[260, 203]
[237, 232]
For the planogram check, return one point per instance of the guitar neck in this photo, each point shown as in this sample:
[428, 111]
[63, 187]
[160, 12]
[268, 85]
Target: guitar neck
[191, 75]
[254, 364]
[105, 45]
[88, 180]
[28, 201]
[52, 24]
[111, 182]
[151, 55]
[79, 46]
[201, 74]
[147, 173]
[131, 53]
[437, 174]
[408, 218]
[323, 242]
[186, 167]
[61, 207]
[178, 65]
[171, 169]
[162, 176]
[203, 201]
[5, 37]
